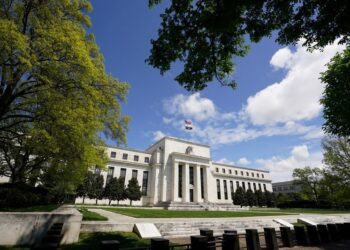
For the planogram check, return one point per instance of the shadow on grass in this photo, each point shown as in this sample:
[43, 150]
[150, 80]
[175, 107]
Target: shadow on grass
[91, 241]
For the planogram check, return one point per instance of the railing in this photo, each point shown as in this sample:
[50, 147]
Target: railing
[309, 235]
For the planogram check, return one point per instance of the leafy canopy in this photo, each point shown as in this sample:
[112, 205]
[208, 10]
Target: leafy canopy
[207, 34]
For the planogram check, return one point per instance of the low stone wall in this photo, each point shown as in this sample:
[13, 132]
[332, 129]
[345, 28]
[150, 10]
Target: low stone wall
[18, 228]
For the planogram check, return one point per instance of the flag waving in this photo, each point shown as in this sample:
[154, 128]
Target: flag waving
[188, 125]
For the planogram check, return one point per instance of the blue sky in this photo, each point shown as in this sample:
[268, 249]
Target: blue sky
[272, 120]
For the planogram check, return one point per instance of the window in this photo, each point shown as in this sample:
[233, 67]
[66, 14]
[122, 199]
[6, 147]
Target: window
[232, 190]
[252, 174]
[264, 187]
[237, 184]
[136, 158]
[247, 173]
[274, 189]
[217, 170]
[113, 154]
[97, 171]
[223, 170]
[258, 175]
[110, 173]
[218, 188]
[125, 156]
[180, 182]
[254, 185]
[225, 190]
[242, 173]
[147, 159]
[202, 182]
[191, 176]
[236, 172]
[230, 171]
[123, 172]
[144, 182]
[243, 185]
[262, 176]
[134, 174]
[249, 186]
[259, 186]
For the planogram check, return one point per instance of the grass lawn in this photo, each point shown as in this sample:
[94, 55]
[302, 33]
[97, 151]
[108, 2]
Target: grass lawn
[159, 213]
[91, 241]
[43, 208]
[301, 210]
[89, 215]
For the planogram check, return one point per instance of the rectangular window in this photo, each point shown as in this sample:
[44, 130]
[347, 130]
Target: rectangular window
[218, 188]
[242, 173]
[252, 174]
[191, 175]
[232, 190]
[134, 174]
[247, 173]
[243, 185]
[113, 154]
[257, 175]
[254, 186]
[110, 173]
[123, 172]
[230, 171]
[264, 187]
[180, 182]
[236, 172]
[125, 156]
[259, 186]
[147, 159]
[136, 158]
[223, 170]
[144, 182]
[237, 184]
[249, 186]
[97, 171]
[262, 176]
[202, 182]
[225, 190]
[217, 170]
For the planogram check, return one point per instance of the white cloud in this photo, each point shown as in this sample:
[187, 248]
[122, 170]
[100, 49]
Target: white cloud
[157, 135]
[243, 161]
[296, 97]
[225, 161]
[282, 168]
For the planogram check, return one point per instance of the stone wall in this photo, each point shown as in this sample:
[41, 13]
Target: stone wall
[18, 228]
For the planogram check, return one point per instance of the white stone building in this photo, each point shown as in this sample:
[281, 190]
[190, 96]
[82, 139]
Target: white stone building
[176, 173]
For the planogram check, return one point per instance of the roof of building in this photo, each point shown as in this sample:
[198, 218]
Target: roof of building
[179, 140]
[233, 166]
[128, 149]
[283, 183]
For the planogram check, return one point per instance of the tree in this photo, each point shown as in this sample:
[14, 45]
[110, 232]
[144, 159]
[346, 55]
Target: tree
[260, 198]
[335, 98]
[96, 191]
[84, 189]
[240, 197]
[270, 199]
[54, 90]
[205, 35]
[115, 189]
[310, 179]
[251, 198]
[133, 191]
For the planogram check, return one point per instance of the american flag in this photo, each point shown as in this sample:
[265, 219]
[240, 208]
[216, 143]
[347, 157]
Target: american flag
[188, 125]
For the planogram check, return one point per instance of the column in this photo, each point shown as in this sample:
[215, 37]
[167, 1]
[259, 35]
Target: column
[185, 183]
[197, 184]
[206, 183]
[175, 168]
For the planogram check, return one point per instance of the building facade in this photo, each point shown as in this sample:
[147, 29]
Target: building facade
[286, 187]
[176, 171]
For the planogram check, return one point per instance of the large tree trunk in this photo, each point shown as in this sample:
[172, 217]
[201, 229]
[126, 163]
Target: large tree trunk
[109, 203]
[130, 202]
[96, 201]
[83, 199]
[118, 203]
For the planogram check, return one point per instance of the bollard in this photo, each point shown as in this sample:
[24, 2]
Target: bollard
[347, 231]
[313, 235]
[230, 241]
[323, 232]
[300, 236]
[252, 239]
[230, 231]
[270, 238]
[159, 244]
[333, 232]
[287, 237]
[210, 234]
[199, 242]
[341, 231]
[110, 245]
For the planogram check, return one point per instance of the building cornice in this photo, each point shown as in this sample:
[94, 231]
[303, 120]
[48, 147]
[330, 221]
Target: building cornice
[128, 149]
[178, 140]
[140, 164]
[244, 168]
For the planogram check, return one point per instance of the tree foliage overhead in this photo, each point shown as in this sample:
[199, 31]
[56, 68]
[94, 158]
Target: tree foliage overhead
[206, 34]
[55, 94]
